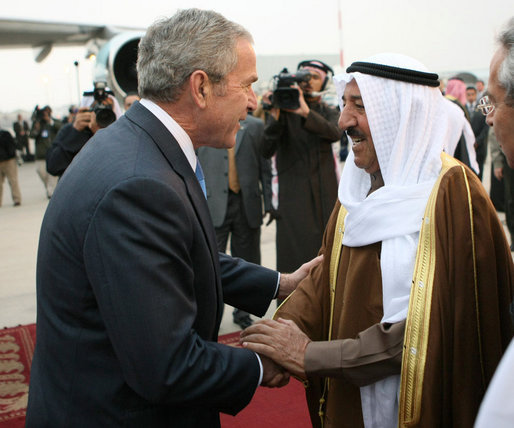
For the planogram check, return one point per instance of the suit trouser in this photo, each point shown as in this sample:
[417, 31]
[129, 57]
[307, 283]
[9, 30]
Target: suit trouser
[9, 169]
[245, 241]
[49, 180]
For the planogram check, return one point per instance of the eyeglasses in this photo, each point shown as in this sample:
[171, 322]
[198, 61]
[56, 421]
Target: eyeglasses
[485, 105]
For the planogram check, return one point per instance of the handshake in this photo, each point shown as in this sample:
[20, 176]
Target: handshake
[281, 346]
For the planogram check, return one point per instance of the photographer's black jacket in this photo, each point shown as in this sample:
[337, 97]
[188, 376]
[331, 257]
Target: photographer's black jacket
[44, 136]
[66, 145]
[307, 182]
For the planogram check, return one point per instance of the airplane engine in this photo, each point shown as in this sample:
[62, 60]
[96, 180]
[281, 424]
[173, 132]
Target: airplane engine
[116, 63]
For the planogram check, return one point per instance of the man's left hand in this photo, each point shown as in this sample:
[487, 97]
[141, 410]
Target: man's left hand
[304, 109]
[272, 215]
[498, 173]
[82, 119]
[289, 281]
[280, 340]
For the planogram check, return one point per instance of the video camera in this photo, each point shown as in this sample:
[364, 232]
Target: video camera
[283, 95]
[104, 113]
[37, 114]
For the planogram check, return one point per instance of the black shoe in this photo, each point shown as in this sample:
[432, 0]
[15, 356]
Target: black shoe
[17, 204]
[243, 322]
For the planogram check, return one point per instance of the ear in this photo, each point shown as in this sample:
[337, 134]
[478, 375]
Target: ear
[200, 86]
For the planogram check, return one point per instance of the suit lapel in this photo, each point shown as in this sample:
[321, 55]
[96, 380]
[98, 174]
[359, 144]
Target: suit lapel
[171, 150]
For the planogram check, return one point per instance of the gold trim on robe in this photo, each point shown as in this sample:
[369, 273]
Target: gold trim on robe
[466, 263]
[418, 317]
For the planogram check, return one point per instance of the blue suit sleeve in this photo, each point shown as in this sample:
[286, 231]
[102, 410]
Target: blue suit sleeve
[246, 285]
[154, 279]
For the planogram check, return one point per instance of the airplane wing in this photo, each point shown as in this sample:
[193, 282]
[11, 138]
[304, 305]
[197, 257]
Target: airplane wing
[17, 33]
[116, 46]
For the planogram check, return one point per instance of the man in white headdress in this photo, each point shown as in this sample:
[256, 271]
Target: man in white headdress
[407, 317]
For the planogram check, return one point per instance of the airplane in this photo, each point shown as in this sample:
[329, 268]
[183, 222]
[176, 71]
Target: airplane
[115, 47]
[116, 50]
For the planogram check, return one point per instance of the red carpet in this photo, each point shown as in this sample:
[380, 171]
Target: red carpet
[270, 407]
[16, 350]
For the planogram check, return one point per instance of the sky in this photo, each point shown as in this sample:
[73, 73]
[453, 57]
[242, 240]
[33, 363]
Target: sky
[450, 35]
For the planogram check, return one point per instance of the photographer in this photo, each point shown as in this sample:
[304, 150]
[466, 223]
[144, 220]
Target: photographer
[44, 129]
[21, 131]
[100, 113]
[301, 139]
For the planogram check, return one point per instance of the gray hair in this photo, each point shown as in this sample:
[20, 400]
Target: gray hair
[506, 70]
[175, 47]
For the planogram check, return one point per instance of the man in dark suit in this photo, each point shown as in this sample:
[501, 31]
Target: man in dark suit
[480, 128]
[21, 132]
[130, 284]
[236, 179]
[471, 100]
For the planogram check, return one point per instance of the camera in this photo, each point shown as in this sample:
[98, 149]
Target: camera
[283, 95]
[100, 92]
[38, 114]
[104, 113]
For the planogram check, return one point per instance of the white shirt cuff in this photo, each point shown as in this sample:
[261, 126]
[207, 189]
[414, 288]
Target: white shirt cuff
[261, 369]
[278, 286]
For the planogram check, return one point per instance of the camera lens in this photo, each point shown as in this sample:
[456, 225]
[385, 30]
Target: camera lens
[104, 116]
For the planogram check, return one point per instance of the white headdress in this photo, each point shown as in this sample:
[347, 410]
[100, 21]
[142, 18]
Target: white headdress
[410, 127]
[410, 123]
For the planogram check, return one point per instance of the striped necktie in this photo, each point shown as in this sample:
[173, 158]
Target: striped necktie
[200, 177]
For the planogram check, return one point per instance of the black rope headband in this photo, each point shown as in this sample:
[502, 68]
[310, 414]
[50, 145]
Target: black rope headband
[395, 73]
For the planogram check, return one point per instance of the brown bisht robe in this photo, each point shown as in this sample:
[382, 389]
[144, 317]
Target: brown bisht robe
[464, 333]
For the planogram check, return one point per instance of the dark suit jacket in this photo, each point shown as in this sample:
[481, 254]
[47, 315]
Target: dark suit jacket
[18, 127]
[130, 292]
[481, 131]
[253, 171]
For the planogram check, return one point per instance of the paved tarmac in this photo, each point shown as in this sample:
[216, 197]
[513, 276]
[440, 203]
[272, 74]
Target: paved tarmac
[19, 234]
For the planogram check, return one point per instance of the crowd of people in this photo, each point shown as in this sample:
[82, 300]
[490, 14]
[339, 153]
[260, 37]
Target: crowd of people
[55, 141]
[395, 283]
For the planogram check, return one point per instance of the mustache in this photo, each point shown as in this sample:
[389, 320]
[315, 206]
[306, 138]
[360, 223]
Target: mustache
[353, 132]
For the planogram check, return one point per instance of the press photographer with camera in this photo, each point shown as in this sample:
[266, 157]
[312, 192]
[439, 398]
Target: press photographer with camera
[299, 131]
[99, 110]
[44, 129]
